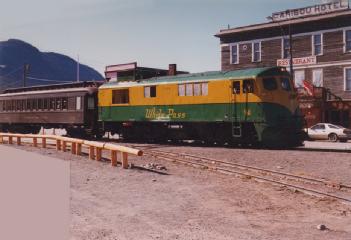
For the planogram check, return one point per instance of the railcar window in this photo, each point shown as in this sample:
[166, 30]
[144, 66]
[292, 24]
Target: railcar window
[150, 91]
[181, 90]
[1, 104]
[23, 102]
[45, 103]
[58, 103]
[189, 89]
[269, 84]
[236, 87]
[18, 105]
[285, 84]
[35, 104]
[52, 104]
[28, 105]
[197, 89]
[120, 96]
[40, 104]
[64, 103]
[248, 86]
[204, 89]
[78, 103]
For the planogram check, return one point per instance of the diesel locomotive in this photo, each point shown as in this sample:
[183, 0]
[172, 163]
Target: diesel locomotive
[251, 106]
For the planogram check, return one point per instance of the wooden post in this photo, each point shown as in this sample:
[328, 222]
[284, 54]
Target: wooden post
[98, 154]
[73, 148]
[64, 146]
[10, 140]
[18, 140]
[1, 139]
[113, 158]
[124, 160]
[43, 142]
[58, 145]
[35, 142]
[91, 153]
[79, 149]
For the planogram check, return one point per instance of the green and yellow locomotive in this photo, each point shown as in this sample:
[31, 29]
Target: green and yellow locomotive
[256, 106]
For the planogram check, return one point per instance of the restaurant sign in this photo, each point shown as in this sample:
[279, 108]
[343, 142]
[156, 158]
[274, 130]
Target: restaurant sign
[333, 6]
[297, 61]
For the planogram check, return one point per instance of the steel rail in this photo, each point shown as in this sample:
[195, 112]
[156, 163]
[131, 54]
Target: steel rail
[212, 161]
[226, 171]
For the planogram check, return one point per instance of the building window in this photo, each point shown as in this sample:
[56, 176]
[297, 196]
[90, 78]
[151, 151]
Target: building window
[348, 41]
[120, 96]
[317, 44]
[234, 54]
[256, 52]
[299, 77]
[317, 77]
[347, 79]
[150, 91]
[286, 47]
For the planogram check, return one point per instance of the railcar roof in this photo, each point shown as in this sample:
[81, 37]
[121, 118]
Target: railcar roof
[203, 76]
[70, 90]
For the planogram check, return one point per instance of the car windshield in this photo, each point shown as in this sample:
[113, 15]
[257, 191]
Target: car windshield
[334, 126]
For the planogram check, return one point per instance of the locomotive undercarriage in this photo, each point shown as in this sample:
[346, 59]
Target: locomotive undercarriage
[209, 133]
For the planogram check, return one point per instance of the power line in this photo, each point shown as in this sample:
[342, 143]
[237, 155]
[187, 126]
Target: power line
[12, 72]
[48, 80]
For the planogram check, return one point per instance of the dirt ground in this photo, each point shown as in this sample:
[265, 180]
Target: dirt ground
[185, 203]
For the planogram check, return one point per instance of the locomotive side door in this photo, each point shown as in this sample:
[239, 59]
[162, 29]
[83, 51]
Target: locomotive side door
[236, 108]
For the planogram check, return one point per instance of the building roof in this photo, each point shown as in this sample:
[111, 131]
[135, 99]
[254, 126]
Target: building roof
[199, 77]
[224, 32]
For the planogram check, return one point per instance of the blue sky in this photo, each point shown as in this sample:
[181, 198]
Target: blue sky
[152, 32]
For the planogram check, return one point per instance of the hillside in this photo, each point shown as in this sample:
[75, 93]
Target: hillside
[43, 65]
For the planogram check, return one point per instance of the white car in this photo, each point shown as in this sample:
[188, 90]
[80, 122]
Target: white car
[327, 131]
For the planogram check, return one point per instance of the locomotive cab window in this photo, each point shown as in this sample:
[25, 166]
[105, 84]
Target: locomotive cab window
[248, 86]
[150, 91]
[285, 83]
[236, 87]
[120, 96]
[270, 84]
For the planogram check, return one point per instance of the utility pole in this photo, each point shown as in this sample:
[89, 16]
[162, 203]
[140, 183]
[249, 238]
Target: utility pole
[291, 55]
[26, 67]
[78, 68]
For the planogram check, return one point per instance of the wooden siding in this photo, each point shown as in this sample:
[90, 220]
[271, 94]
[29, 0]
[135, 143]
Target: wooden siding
[271, 50]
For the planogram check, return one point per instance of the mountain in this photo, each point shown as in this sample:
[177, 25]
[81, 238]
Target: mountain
[14, 54]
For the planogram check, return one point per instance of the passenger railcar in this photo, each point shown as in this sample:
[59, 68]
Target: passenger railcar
[71, 106]
[257, 106]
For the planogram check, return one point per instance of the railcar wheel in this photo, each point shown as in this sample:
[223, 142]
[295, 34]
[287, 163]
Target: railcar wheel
[333, 137]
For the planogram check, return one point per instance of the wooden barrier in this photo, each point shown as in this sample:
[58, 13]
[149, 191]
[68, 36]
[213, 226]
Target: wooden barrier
[95, 149]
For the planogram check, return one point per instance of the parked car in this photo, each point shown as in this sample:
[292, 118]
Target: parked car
[327, 131]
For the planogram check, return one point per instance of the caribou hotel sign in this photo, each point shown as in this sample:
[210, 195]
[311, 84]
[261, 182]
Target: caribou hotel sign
[331, 6]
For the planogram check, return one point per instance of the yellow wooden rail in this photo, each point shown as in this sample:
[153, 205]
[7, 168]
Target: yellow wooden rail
[62, 144]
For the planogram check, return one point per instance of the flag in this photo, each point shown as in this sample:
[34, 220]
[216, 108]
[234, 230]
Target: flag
[308, 87]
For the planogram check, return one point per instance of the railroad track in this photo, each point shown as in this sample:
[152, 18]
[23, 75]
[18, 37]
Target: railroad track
[312, 186]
